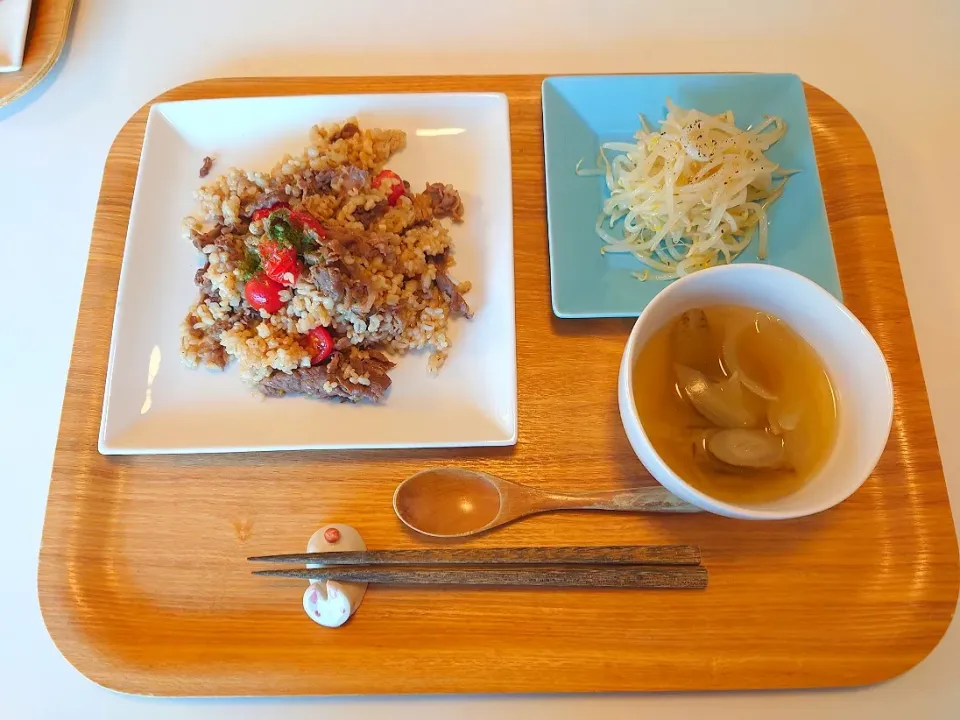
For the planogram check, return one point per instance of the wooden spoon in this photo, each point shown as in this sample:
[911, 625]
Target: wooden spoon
[452, 502]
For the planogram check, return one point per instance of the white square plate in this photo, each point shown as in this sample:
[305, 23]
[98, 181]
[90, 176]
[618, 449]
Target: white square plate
[154, 404]
[14, 21]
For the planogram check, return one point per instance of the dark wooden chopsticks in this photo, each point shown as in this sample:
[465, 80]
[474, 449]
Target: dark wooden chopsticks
[617, 576]
[655, 566]
[611, 555]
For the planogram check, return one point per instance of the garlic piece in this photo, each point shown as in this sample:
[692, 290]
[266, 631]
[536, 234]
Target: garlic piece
[328, 602]
[722, 403]
[746, 448]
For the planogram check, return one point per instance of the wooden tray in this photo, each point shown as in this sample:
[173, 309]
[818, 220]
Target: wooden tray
[144, 587]
[49, 22]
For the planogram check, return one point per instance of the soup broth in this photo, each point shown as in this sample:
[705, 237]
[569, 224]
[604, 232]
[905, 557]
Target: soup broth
[736, 403]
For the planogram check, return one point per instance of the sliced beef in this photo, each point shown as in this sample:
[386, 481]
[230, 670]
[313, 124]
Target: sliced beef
[250, 315]
[317, 182]
[375, 367]
[368, 217]
[209, 350]
[366, 298]
[330, 280]
[302, 381]
[266, 200]
[350, 178]
[445, 200]
[346, 132]
[214, 354]
[228, 241]
[458, 306]
[223, 239]
[367, 244]
[218, 328]
[207, 293]
[351, 285]
[243, 314]
[387, 250]
[338, 240]
[201, 240]
[333, 379]
[322, 182]
[422, 222]
[205, 168]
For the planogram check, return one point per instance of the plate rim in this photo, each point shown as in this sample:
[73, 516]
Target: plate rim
[550, 81]
[510, 431]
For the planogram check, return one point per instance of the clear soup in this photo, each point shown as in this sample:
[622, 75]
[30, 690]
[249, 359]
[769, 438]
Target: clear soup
[736, 403]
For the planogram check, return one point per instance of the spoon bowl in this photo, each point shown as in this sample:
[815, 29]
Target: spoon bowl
[448, 502]
[451, 502]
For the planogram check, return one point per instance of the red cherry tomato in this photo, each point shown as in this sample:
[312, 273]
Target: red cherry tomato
[265, 212]
[280, 263]
[395, 191]
[319, 344]
[308, 222]
[263, 293]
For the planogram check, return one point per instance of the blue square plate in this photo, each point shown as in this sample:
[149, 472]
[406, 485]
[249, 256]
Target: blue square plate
[581, 112]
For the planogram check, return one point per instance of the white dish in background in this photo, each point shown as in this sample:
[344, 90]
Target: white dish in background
[856, 366]
[14, 21]
[154, 404]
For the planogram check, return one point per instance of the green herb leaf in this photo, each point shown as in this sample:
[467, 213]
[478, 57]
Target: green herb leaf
[250, 265]
[288, 235]
[281, 231]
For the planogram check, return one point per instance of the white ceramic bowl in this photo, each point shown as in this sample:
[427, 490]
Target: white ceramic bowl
[853, 361]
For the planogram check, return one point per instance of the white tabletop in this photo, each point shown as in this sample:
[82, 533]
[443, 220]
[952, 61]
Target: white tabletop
[895, 69]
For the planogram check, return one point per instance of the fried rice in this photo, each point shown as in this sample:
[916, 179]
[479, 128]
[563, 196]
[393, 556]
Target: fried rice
[372, 268]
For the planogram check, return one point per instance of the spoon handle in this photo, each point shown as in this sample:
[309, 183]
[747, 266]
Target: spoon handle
[645, 499]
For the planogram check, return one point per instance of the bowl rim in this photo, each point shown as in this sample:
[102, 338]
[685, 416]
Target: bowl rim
[692, 494]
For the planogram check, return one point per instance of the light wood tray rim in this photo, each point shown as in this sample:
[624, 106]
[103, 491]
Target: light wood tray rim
[86, 657]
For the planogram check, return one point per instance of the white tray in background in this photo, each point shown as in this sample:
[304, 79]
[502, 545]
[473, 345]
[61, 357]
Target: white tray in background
[14, 21]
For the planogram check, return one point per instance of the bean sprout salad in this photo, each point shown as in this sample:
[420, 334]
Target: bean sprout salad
[691, 195]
